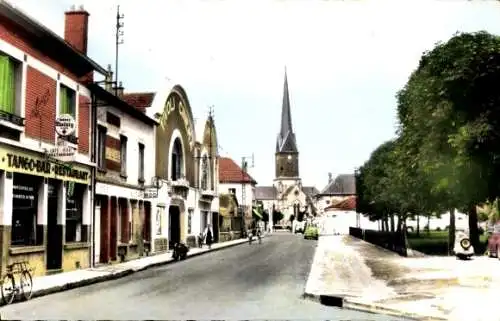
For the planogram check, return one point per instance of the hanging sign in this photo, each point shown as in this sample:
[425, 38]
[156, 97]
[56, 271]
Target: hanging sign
[65, 125]
[63, 151]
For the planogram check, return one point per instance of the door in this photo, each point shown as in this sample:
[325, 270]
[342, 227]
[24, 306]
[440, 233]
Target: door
[54, 230]
[174, 226]
[215, 226]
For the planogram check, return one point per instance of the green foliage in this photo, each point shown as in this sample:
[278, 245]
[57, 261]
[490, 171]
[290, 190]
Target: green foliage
[277, 216]
[446, 154]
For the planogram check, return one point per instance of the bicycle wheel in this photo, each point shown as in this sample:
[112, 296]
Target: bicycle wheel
[26, 285]
[8, 288]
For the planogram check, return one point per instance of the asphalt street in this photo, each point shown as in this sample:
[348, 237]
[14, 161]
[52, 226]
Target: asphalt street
[258, 281]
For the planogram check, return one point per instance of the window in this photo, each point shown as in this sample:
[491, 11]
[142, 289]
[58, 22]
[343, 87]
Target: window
[67, 101]
[190, 218]
[204, 172]
[25, 230]
[74, 210]
[123, 155]
[7, 84]
[101, 147]
[141, 163]
[177, 160]
[232, 191]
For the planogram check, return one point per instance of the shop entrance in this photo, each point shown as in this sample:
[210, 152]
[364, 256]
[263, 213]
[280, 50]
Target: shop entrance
[54, 230]
[174, 225]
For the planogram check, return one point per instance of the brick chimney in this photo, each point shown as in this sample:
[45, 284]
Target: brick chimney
[76, 26]
[109, 80]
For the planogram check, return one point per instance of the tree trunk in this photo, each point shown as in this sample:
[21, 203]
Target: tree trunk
[451, 232]
[418, 225]
[473, 230]
[429, 225]
[386, 224]
[393, 227]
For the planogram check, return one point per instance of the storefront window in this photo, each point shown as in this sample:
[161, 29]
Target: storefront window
[74, 213]
[25, 231]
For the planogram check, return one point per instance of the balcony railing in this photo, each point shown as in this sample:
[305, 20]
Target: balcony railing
[16, 120]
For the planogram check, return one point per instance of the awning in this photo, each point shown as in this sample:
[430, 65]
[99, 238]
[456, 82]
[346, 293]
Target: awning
[256, 213]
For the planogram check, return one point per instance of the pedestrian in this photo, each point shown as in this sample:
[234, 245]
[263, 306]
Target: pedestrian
[208, 237]
[200, 240]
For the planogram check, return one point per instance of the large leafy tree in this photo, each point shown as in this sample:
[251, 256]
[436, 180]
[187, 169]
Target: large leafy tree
[450, 109]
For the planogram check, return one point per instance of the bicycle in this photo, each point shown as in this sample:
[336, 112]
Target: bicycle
[9, 289]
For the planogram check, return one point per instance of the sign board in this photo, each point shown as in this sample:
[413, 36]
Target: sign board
[65, 125]
[63, 151]
[19, 161]
[150, 193]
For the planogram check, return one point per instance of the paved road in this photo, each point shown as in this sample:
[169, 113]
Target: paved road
[263, 281]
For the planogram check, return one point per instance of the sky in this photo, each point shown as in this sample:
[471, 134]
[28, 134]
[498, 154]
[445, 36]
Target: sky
[345, 62]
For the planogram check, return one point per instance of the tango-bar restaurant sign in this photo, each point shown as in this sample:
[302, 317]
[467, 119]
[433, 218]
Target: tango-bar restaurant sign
[19, 162]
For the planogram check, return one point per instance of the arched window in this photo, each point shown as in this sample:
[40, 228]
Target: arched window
[204, 172]
[177, 160]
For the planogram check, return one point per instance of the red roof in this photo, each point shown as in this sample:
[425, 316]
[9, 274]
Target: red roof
[230, 172]
[140, 101]
[347, 204]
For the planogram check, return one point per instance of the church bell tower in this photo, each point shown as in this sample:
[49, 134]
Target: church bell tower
[287, 154]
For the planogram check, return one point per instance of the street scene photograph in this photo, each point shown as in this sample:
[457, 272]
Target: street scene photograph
[250, 160]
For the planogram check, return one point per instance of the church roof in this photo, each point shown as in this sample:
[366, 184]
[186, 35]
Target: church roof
[230, 172]
[343, 184]
[286, 138]
[265, 193]
[270, 192]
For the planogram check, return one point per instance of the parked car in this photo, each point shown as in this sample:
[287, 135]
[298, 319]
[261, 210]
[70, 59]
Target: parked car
[494, 241]
[463, 248]
[300, 227]
[311, 233]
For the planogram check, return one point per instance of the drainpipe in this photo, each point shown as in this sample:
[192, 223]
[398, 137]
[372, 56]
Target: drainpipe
[94, 173]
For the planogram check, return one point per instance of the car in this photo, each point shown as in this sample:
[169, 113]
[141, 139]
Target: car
[311, 233]
[463, 248]
[494, 241]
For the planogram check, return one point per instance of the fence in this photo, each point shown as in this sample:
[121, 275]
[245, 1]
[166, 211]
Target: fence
[393, 241]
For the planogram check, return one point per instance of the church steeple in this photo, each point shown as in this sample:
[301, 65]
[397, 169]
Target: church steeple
[286, 138]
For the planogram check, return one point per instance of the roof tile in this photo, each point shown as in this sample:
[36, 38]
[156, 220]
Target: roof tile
[230, 172]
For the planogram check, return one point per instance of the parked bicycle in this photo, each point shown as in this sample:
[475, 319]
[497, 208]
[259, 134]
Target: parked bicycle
[17, 280]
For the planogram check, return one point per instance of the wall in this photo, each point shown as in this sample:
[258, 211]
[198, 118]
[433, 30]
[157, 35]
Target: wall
[136, 132]
[40, 82]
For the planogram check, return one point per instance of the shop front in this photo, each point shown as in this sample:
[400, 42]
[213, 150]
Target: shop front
[122, 225]
[45, 211]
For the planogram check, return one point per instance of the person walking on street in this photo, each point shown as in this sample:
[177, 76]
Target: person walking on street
[208, 236]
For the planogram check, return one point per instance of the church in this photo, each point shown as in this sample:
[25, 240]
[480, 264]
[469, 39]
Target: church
[287, 195]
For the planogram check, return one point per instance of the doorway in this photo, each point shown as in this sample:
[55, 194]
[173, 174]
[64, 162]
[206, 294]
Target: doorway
[174, 226]
[215, 226]
[54, 230]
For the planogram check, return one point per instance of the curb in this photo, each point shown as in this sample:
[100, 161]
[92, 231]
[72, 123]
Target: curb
[112, 275]
[366, 307]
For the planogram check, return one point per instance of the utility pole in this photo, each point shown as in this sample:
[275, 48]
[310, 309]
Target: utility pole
[118, 42]
[244, 167]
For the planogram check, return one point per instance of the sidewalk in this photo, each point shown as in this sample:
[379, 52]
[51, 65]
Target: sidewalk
[373, 279]
[44, 285]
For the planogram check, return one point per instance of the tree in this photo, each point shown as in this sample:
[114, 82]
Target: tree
[450, 107]
[277, 216]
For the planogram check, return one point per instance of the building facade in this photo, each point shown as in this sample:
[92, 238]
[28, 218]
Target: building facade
[233, 180]
[340, 189]
[125, 141]
[287, 195]
[186, 168]
[45, 199]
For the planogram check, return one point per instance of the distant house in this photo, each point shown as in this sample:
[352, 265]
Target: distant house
[233, 180]
[341, 188]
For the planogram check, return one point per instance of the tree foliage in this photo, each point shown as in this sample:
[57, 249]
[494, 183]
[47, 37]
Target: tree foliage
[446, 154]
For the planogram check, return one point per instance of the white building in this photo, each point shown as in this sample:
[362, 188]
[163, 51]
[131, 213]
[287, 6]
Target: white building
[124, 147]
[233, 180]
[186, 168]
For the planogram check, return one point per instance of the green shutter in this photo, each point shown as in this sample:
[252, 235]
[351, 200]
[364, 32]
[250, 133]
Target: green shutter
[64, 107]
[7, 85]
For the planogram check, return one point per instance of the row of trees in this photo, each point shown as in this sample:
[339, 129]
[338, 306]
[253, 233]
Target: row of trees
[447, 152]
